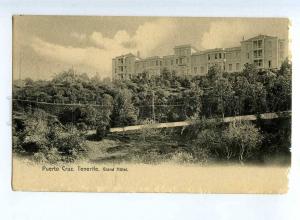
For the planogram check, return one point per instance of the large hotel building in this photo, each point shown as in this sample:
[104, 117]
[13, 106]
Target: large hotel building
[266, 52]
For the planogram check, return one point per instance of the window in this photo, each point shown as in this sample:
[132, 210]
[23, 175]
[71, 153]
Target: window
[248, 55]
[258, 63]
[237, 67]
[257, 53]
[259, 43]
[254, 44]
[208, 57]
[216, 56]
[176, 61]
[270, 63]
[230, 67]
[160, 63]
[220, 56]
[156, 62]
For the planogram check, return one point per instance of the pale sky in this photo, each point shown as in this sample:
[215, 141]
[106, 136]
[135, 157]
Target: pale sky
[50, 44]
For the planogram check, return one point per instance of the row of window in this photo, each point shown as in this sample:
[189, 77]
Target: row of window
[152, 63]
[259, 63]
[223, 55]
[217, 56]
[237, 67]
[166, 62]
[257, 44]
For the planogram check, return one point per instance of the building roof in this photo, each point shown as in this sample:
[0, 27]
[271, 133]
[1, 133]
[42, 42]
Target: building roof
[125, 55]
[186, 45]
[198, 53]
[232, 48]
[183, 45]
[166, 56]
[213, 50]
[151, 58]
[258, 37]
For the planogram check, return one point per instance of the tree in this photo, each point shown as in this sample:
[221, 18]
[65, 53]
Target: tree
[285, 68]
[242, 140]
[250, 72]
[213, 73]
[222, 89]
[192, 102]
[242, 89]
[258, 98]
[124, 112]
[166, 74]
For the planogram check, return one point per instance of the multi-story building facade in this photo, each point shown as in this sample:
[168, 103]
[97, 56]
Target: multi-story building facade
[123, 67]
[266, 52]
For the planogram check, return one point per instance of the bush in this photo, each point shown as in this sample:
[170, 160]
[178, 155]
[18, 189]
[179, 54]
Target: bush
[148, 130]
[33, 138]
[206, 145]
[242, 140]
[208, 140]
[101, 130]
[70, 144]
[49, 142]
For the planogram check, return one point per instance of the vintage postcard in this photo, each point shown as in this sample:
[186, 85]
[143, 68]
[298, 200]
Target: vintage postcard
[151, 104]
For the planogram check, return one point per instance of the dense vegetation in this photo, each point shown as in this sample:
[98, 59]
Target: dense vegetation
[73, 103]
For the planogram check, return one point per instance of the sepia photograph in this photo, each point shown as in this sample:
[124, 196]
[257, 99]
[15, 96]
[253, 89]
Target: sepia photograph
[151, 104]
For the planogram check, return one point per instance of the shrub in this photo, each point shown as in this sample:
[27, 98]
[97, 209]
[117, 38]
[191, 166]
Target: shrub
[48, 141]
[206, 145]
[69, 144]
[148, 130]
[101, 130]
[33, 138]
[242, 140]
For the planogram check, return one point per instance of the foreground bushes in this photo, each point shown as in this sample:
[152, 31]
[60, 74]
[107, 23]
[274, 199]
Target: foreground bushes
[47, 140]
[239, 140]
